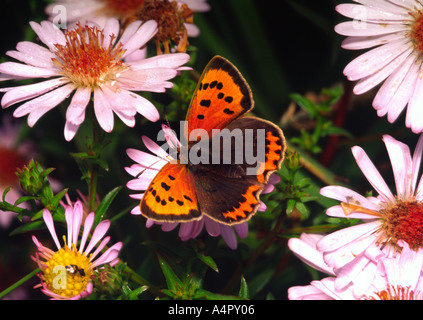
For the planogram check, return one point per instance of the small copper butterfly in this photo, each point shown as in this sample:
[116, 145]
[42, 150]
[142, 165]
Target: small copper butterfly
[221, 189]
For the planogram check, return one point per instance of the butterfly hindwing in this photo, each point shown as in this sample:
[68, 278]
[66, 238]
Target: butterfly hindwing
[222, 95]
[229, 193]
[171, 195]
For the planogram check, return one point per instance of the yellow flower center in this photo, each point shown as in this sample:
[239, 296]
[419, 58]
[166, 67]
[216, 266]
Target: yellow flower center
[67, 272]
[86, 61]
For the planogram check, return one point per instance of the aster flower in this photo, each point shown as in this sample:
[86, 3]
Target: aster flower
[354, 252]
[175, 17]
[396, 278]
[146, 168]
[395, 28]
[88, 60]
[67, 273]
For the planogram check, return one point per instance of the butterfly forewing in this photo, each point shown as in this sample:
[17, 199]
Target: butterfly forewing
[221, 96]
[171, 195]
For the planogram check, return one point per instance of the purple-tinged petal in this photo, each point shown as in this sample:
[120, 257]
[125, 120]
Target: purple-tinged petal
[48, 219]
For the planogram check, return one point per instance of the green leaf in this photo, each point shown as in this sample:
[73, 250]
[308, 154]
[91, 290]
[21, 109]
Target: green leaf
[105, 203]
[133, 294]
[31, 226]
[243, 290]
[208, 261]
[172, 279]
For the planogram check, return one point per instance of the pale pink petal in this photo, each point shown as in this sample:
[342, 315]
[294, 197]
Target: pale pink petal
[22, 70]
[130, 31]
[145, 159]
[308, 253]
[39, 106]
[136, 210]
[241, 229]
[75, 113]
[135, 103]
[414, 118]
[375, 59]
[397, 89]
[169, 226]
[212, 227]
[140, 37]
[309, 292]
[49, 34]
[196, 5]
[417, 158]
[365, 29]
[228, 234]
[346, 195]
[372, 174]
[89, 221]
[98, 234]
[371, 14]
[359, 43]
[48, 219]
[170, 60]
[111, 32]
[32, 59]
[401, 163]
[154, 147]
[345, 236]
[22, 93]
[70, 130]
[153, 80]
[99, 248]
[103, 111]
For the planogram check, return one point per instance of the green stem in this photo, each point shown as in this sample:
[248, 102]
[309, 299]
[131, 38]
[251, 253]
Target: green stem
[19, 283]
[92, 185]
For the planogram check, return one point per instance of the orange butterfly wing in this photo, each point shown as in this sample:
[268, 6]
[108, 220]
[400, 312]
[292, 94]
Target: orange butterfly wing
[221, 96]
[171, 195]
[225, 193]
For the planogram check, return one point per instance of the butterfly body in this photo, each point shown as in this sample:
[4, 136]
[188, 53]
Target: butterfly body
[227, 161]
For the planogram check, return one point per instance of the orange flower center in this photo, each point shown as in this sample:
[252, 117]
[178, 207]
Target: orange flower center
[416, 33]
[404, 221]
[87, 59]
[396, 293]
[170, 18]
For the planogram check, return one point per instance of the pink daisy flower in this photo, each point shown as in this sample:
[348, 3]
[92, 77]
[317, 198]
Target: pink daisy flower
[99, 11]
[176, 14]
[354, 252]
[149, 165]
[67, 272]
[88, 60]
[396, 278]
[394, 29]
